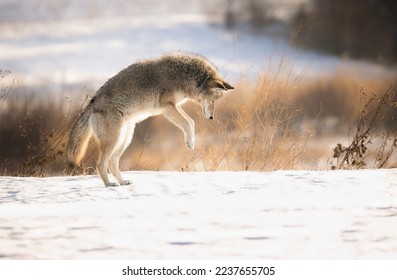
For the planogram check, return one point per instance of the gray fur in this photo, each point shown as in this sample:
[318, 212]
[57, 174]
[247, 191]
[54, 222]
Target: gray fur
[144, 89]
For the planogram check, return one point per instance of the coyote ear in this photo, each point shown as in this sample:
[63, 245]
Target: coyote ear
[223, 85]
[227, 86]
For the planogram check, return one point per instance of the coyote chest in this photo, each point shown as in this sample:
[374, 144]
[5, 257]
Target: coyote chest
[142, 115]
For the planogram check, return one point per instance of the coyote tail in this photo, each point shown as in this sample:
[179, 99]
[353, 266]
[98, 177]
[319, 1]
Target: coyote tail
[79, 138]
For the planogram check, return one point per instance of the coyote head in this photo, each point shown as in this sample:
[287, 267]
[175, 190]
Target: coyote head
[213, 91]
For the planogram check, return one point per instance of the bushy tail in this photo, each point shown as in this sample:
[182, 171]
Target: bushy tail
[79, 138]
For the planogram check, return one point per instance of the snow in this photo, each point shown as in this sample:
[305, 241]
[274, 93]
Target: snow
[204, 215]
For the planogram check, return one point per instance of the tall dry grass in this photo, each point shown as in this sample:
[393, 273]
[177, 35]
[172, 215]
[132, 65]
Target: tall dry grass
[34, 127]
[270, 124]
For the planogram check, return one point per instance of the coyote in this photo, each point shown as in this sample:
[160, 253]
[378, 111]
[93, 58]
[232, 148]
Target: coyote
[148, 88]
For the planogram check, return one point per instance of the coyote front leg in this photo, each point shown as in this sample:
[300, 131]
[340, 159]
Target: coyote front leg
[182, 120]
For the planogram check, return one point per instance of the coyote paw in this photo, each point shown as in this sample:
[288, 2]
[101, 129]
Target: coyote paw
[125, 182]
[190, 144]
[111, 185]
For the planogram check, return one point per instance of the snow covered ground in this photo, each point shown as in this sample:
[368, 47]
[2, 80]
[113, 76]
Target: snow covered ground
[227, 215]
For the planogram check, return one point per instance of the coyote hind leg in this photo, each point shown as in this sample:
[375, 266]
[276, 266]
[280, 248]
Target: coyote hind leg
[115, 158]
[106, 149]
[107, 134]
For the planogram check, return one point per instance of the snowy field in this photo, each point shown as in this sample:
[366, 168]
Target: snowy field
[218, 215]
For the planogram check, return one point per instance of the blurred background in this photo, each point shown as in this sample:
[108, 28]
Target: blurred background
[309, 75]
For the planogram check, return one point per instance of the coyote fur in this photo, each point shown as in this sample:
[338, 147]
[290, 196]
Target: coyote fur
[148, 88]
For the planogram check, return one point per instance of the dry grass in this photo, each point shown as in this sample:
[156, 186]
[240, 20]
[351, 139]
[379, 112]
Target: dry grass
[372, 113]
[267, 125]
[34, 130]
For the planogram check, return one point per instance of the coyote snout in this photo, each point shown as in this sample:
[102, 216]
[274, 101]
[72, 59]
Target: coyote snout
[208, 110]
[217, 88]
[144, 89]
